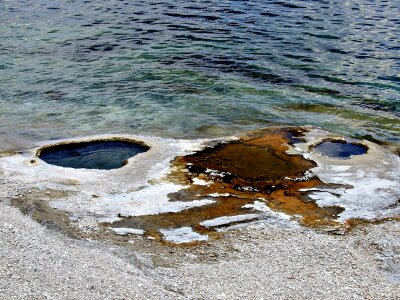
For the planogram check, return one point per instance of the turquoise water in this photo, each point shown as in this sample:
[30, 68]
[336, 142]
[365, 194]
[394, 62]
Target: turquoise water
[198, 68]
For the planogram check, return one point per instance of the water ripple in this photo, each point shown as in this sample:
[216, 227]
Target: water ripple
[173, 68]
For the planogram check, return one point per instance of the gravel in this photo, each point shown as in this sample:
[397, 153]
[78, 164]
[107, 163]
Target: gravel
[301, 264]
[259, 261]
[39, 264]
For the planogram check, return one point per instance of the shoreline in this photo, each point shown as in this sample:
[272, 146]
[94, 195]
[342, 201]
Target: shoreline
[261, 260]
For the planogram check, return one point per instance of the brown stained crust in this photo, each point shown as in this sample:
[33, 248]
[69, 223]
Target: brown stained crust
[36, 205]
[254, 168]
[260, 158]
[352, 223]
[8, 153]
[224, 206]
[258, 167]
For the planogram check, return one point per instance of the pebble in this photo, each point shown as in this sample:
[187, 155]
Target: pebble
[37, 263]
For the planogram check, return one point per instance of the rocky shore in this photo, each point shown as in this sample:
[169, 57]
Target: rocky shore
[259, 261]
[58, 239]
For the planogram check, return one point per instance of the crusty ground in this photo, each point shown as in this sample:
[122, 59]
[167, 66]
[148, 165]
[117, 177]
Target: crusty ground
[260, 261]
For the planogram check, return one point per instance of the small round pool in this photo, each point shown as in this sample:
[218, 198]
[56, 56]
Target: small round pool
[103, 154]
[340, 149]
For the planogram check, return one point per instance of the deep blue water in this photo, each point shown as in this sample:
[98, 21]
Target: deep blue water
[105, 155]
[198, 68]
[340, 149]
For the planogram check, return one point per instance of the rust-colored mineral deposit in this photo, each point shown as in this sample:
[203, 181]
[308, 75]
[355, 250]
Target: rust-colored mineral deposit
[253, 168]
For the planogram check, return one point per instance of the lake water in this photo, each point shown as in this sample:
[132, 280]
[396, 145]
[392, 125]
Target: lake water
[198, 68]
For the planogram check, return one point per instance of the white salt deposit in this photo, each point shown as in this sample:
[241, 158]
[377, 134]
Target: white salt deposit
[182, 235]
[217, 195]
[126, 231]
[139, 188]
[222, 221]
[150, 200]
[198, 181]
[366, 186]
[267, 212]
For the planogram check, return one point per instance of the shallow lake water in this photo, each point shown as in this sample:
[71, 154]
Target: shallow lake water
[198, 68]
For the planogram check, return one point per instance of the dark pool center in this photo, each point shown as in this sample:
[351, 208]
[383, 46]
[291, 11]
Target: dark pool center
[105, 155]
[340, 149]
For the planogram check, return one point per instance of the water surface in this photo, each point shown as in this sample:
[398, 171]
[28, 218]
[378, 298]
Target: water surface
[198, 68]
[104, 155]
